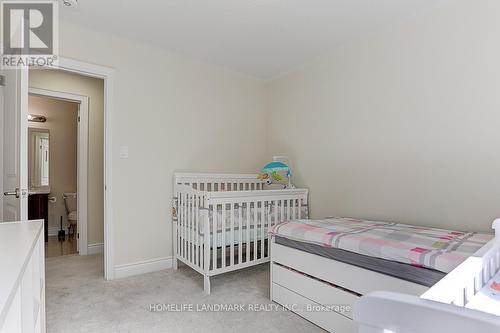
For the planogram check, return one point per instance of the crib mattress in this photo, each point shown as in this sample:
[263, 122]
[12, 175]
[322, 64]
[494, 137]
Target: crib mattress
[437, 249]
[234, 237]
[258, 217]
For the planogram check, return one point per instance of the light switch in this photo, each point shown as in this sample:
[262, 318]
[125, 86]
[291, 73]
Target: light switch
[124, 152]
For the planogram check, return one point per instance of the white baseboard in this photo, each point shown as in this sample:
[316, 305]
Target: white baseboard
[142, 267]
[95, 248]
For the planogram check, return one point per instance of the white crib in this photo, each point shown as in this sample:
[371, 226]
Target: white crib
[220, 221]
[451, 305]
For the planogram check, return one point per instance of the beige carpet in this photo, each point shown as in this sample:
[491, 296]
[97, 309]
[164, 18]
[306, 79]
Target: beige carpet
[79, 300]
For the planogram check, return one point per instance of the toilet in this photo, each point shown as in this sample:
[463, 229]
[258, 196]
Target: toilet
[71, 204]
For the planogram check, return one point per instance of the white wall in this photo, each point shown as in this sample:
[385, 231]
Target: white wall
[173, 114]
[401, 126]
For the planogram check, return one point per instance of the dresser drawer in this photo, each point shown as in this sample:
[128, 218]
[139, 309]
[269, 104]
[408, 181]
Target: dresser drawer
[338, 300]
[328, 320]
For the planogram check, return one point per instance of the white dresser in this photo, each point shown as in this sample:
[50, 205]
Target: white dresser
[22, 277]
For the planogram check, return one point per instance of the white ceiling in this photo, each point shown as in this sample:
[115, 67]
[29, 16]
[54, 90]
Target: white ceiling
[261, 38]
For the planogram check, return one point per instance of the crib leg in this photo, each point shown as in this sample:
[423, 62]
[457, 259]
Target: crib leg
[175, 264]
[206, 284]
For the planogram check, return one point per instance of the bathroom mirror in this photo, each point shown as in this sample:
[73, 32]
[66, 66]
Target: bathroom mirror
[39, 147]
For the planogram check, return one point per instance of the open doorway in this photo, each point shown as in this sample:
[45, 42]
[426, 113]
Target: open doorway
[14, 89]
[72, 108]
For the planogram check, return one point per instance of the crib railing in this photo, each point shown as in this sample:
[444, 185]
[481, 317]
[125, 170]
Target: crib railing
[221, 221]
[250, 216]
[211, 221]
[219, 182]
[188, 216]
[443, 306]
[460, 285]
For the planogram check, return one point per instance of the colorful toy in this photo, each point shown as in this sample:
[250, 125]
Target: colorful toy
[276, 172]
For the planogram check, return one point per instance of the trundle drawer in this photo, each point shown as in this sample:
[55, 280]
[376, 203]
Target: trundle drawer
[328, 320]
[315, 290]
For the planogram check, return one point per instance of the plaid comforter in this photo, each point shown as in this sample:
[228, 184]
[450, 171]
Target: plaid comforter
[437, 249]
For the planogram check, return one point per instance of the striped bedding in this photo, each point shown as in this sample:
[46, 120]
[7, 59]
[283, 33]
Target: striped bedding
[433, 248]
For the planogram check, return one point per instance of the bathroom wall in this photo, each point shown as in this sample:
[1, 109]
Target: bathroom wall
[94, 89]
[62, 125]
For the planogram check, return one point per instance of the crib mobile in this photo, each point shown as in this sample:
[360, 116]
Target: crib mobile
[276, 174]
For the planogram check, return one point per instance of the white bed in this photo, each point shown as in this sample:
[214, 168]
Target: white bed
[220, 221]
[325, 291]
[461, 302]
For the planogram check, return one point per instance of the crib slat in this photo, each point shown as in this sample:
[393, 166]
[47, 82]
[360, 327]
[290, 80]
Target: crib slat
[231, 231]
[469, 291]
[240, 232]
[187, 226]
[300, 209]
[191, 229]
[186, 239]
[247, 256]
[199, 242]
[255, 238]
[282, 211]
[184, 225]
[180, 223]
[190, 226]
[196, 229]
[286, 216]
[274, 214]
[223, 233]
[262, 223]
[214, 236]
[177, 229]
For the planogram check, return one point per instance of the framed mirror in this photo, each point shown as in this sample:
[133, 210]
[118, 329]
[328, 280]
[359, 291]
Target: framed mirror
[38, 161]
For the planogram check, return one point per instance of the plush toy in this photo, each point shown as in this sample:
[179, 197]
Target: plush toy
[276, 173]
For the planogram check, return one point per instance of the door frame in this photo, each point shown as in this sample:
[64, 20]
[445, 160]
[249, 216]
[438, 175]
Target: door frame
[21, 159]
[82, 159]
[107, 75]
[1, 148]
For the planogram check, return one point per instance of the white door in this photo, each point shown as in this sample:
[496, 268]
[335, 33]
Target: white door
[14, 132]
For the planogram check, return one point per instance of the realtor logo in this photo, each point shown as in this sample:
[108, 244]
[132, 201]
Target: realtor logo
[29, 33]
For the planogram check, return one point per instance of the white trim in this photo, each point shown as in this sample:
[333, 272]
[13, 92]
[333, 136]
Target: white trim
[83, 150]
[95, 248]
[105, 73]
[23, 142]
[142, 267]
[1, 146]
